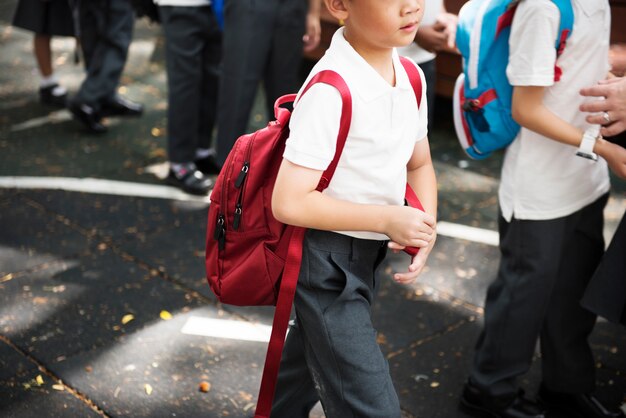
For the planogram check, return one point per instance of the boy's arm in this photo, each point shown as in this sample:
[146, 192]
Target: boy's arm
[528, 110]
[296, 202]
[421, 177]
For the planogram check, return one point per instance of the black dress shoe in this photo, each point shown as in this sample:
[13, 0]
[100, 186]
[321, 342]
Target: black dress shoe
[120, 106]
[191, 181]
[208, 165]
[575, 405]
[87, 115]
[49, 95]
[477, 404]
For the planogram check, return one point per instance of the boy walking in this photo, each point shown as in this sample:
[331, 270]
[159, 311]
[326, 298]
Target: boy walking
[551, 200]
[331, 353]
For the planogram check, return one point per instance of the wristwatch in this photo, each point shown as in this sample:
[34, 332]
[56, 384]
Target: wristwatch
[585, 149]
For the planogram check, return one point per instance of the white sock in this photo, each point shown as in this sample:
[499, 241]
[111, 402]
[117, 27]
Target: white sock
[180, 169]
[59, 91]
[202, 153]
[48, 81]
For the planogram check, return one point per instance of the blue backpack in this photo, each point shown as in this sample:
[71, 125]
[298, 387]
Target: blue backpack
[482, 93]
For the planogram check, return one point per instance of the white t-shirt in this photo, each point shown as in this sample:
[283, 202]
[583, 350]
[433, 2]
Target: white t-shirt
[414, 51]
[542, 178]
[385, 126]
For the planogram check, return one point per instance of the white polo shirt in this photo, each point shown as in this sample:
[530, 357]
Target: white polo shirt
[542, 178]
[385, 126]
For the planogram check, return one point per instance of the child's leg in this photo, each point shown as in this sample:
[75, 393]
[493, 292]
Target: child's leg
[295, 391]
[49, 90]
[567, 359]
[517, 302]
[333, 304]
[43, 54]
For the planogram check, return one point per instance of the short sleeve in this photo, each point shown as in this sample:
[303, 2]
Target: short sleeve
[532, 42]
[313, 127]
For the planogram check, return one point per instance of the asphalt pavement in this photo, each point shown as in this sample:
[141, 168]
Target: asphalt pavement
[104, 306]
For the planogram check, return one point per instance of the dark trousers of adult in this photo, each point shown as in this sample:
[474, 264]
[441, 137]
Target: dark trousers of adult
[262, 42]
[544, 270]
[193, 45]
[331, 352]
[106, 31]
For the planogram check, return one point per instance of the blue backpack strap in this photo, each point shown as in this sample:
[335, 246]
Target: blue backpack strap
[565, 30]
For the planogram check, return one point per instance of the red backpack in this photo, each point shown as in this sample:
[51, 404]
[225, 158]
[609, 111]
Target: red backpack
[251, 258]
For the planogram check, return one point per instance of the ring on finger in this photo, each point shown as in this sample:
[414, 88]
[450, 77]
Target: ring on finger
[606, 117]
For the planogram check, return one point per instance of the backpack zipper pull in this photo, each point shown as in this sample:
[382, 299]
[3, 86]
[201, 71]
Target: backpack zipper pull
[220, 232]
[237, 218]
[242, 174]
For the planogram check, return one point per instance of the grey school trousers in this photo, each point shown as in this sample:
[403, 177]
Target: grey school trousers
[262, 42]
[331, 353]
[193, 50]
[106, 31]
[544, 269]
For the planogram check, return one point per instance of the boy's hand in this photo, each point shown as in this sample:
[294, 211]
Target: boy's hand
[417, 263]
[410, 227]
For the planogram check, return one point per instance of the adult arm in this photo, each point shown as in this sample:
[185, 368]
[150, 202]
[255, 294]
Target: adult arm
[439, 36]
[311, 38]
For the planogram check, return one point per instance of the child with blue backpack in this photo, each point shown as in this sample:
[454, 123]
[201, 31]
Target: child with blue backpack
[331, 353]
[552, 193]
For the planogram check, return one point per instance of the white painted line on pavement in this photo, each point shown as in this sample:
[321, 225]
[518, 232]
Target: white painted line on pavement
[224, 328]
[100, 186]
[122, 188]
[470, 233]
[53, 117]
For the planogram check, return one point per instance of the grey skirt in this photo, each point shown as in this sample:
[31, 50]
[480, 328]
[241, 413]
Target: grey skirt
[48, 17]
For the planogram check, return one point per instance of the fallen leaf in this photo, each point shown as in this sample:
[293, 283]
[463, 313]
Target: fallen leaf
[165, 315]
[39, 380]
[148, 388]
[127, 318]
[205, 386]
[58, 387]
[434, 385]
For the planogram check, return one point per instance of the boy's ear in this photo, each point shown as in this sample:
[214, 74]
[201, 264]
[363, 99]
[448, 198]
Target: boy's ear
[337, 9]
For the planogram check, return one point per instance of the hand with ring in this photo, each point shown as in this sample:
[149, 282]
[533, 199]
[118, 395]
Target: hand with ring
[609, 110]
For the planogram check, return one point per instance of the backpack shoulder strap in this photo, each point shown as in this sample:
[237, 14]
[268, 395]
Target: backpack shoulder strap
[414, 78]
[566, 25]
[293, 261]
[334, 79]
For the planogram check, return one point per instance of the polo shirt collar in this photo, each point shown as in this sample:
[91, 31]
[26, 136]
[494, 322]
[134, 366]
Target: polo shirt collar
[366, 82]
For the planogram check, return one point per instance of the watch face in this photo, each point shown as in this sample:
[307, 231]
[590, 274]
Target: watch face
[590, 156]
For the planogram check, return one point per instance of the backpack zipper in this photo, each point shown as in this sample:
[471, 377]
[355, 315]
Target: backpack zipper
[238, 184]
[220, 231]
